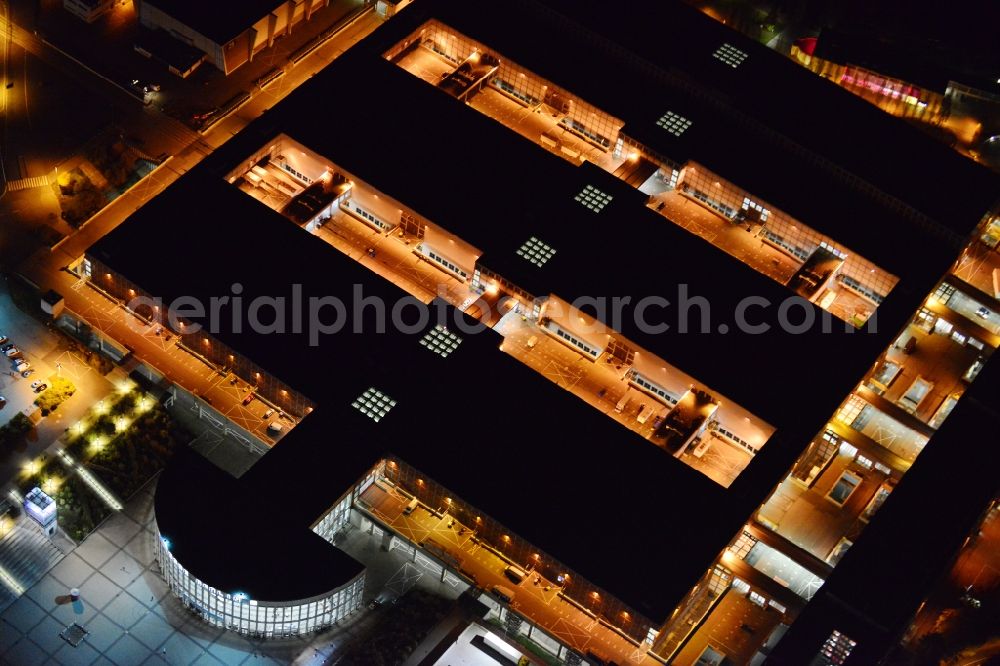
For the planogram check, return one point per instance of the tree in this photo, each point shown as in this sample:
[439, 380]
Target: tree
[14, 430]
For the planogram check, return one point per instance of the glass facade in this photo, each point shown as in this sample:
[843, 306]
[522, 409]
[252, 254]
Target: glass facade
[335, 519]
[518, 83]
[780, 229]
[237, 612]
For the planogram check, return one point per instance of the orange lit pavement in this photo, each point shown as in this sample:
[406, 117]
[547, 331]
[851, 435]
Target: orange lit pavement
[541, 606]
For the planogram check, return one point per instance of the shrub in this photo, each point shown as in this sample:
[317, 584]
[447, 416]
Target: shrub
[58, 391]
[14, 430]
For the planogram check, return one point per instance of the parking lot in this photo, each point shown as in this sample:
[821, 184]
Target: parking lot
[48, 355]
[39, 347]
[181, 365]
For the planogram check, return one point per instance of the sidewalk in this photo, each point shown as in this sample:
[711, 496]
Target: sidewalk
[130, 615]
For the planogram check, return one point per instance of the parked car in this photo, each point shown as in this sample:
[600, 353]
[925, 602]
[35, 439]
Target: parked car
[3, 402]
[983, 312]
[3, 339]
[248, 399]
[145, 87]
[40, 387]
[12, 351]
[7, 346]
[268, 414]
[21, 365]
[28, 373]
[35, 384]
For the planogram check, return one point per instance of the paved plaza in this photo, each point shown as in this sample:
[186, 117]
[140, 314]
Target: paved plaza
[132, 618]
[126, 608]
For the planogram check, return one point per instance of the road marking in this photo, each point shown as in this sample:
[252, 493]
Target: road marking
[27, 183]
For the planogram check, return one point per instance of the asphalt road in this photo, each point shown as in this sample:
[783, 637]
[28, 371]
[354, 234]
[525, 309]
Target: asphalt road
[98, 102]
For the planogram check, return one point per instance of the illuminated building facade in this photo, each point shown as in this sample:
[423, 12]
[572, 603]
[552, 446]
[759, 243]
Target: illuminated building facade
[653, 475]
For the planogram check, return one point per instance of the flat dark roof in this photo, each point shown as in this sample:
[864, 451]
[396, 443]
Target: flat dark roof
[477, 179]
[508, 473]
[926, 47]
[167, 48]
[220, 23]
[517, 190]
[792, 109]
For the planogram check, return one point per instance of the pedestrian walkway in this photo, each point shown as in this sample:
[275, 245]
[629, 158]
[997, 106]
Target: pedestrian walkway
[128, 612]
[26, 554]
[27, 183]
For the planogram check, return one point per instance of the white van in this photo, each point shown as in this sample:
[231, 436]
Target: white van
[515, 574]
[411, 507]
[505, 594]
